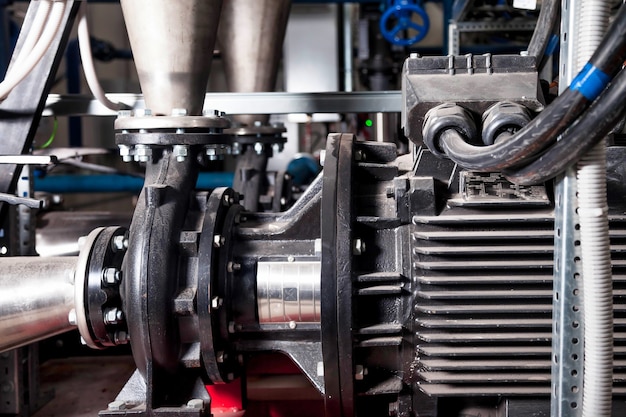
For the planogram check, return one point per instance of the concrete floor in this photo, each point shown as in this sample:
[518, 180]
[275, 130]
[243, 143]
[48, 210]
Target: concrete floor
[84, 385]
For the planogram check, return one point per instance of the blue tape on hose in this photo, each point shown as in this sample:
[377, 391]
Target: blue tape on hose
[590, 82]
[552, 44]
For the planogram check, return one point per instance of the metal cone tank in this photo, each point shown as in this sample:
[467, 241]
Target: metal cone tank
[172, 43]
[251, 35]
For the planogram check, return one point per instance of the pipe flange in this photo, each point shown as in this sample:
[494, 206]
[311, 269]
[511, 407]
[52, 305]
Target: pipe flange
[213, 295]
[446, 116]
[504, 117]
[264, 136]
[99, 315]
[143, 119]
[210, 137]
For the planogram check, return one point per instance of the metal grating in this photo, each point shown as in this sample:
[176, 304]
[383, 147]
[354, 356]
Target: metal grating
[484, 301]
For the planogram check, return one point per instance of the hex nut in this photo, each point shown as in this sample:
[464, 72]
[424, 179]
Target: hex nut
[181, 152]
[111, 276]
[120, 242]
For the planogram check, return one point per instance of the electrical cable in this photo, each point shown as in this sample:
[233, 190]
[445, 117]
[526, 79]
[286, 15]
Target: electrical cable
[541, 132]
[576, 141]
[55, 127]
[524, 145]
[548, 18]
[84, 44]
[16, 75]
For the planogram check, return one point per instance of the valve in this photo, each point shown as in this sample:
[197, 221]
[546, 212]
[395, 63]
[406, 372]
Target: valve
[401, 12]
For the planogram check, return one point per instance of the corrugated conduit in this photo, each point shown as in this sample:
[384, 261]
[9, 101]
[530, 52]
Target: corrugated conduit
[593, 19]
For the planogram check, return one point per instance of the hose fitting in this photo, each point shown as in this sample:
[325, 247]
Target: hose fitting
[503, 120]
[446, 116]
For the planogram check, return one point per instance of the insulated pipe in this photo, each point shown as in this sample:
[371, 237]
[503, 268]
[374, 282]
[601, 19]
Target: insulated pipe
[36, 299]
[593, 19]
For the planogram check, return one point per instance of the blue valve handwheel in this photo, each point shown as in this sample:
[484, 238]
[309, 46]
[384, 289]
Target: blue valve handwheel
[402, 13]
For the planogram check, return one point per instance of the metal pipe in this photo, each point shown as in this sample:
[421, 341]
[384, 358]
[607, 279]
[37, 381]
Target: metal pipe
[58, 232]
[36, 299]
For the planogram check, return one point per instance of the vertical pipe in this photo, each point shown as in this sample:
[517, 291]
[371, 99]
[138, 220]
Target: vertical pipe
[593, 19]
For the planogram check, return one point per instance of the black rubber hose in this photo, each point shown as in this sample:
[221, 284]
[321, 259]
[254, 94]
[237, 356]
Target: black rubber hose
[524, 145]
[542, 131]
[592, 126]
[548, 17]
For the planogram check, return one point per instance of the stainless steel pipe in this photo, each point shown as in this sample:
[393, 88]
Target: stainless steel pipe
[36, 297]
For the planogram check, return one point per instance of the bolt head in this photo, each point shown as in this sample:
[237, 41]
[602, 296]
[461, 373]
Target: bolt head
[120, 243]
[181, 152]
[292, 325]
[195, 403]
[322, 157]
[71, 317]
[143, 113]
[112, 316]
[121, 337]
[112, 276]
[117, 406]
[359, 372]
[216, 303]
[218, 241]
[358, 247]
[179, 112]
[258, 123]
[210, 113]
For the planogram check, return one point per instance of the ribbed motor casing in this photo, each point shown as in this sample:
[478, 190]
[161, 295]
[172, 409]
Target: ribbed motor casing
[484, 301]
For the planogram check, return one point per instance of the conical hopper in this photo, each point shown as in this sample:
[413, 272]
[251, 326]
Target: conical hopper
[251, 35]
[172, 43]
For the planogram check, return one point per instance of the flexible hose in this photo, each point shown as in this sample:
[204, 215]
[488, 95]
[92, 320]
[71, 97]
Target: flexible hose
[84, 44]
[548, 17]
[16, 75]
[593, 18]
[524, 145]
[591, 127]
[34, 33]
[537, 135]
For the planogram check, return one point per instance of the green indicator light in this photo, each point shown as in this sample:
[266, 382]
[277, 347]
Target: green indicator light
[369, 123]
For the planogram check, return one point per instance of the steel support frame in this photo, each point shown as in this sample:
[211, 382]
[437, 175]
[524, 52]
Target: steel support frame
[567, 324]
[456, 28]
[21, 111]
[244, 103]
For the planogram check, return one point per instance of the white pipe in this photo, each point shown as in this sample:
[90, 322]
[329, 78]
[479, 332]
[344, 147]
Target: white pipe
[34, 33]
[593, 19]
[86, 57]
[16, 75]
